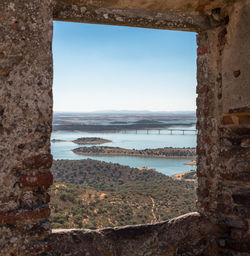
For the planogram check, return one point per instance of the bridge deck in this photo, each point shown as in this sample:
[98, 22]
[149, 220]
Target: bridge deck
[166, 131]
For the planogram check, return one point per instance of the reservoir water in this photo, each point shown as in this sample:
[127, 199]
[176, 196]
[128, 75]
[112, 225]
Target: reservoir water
[131, 140]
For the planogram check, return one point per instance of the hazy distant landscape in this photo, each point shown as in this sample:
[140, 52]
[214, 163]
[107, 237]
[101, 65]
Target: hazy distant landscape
[121, 120]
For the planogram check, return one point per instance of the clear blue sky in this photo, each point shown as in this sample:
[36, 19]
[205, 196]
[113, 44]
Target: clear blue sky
[98, 67]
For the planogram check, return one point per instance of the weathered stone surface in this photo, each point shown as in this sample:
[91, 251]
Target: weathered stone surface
[43, 161]
[180, 236]
[245, 143]
[25, 104]
[22, 215]
[44, 179]
[19, 239]
[82, 12]
[185, 6]
[235, 59]
[223, 123]
[239, 246]
[242, 199]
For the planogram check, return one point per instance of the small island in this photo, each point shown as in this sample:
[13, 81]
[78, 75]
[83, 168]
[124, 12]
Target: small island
[85, 141]
[167, 152]
[57, 140]
[91, 140]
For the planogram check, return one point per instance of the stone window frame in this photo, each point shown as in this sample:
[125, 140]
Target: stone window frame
[223, 115]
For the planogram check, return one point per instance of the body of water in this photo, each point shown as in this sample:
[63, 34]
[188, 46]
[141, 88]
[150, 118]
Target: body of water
[131, 140]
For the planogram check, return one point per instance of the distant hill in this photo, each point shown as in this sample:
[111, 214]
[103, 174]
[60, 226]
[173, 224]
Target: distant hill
[190, 115]
[125, 112]
[95, 194]
[121, 120]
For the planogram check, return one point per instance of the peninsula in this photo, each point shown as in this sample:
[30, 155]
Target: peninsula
[186, 176]
[167, 152]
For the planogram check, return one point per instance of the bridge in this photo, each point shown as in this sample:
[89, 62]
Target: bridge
[163, 131]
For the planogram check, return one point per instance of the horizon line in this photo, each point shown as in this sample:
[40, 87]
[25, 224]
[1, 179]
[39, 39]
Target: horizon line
[123, 110]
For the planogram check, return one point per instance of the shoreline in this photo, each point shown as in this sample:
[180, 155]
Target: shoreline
[134, 155]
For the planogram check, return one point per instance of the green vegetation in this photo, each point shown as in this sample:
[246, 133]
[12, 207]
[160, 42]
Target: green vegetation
[85, 140]
[166, 152]
[90, 140]
[95, 194]
[191, 175]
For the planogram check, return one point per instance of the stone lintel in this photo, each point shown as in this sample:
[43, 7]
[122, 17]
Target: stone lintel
[83, 13]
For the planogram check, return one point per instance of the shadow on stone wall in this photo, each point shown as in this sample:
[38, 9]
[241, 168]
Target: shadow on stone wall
[189, 234]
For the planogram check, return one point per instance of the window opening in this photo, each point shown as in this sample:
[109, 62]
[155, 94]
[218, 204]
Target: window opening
[122, 95]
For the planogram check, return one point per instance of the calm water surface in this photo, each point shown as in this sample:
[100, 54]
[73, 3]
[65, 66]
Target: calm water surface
[131, 140]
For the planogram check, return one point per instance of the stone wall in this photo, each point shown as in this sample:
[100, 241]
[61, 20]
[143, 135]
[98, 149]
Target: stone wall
[223, 112]
[25, 125]
[224, 128]
[190, 234]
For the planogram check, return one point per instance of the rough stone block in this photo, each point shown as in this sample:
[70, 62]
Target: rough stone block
[245, 143]
[43, 161]
[34, 180]
[242, 199]
[24, 215]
